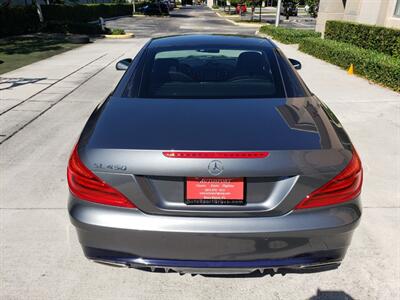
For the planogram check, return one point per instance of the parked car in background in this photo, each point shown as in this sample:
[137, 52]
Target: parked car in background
[156, 8]
[169, 4]
[187, 2]
[289, 9]
[173, 3]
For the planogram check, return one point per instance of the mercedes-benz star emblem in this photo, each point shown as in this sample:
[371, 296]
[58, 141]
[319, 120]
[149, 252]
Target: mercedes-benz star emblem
[215, 167]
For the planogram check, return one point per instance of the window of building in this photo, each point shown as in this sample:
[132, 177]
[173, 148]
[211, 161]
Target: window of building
[397, 9]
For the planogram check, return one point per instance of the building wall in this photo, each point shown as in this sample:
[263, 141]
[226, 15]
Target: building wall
[374, 12]
[329, 10]
[391, 20]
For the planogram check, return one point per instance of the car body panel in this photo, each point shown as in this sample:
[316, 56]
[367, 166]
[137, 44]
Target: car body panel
[212, 124]
[214, 242]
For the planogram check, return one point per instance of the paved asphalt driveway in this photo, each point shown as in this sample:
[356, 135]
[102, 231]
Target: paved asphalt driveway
[188, 19]
[43, 107]
[268, 15]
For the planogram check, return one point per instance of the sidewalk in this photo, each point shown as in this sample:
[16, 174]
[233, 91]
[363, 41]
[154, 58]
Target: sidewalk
[28, 92]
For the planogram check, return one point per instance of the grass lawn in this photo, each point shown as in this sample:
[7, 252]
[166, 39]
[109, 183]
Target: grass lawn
[16, 52]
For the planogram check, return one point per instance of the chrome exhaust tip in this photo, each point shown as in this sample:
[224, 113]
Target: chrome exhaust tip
[111, 263]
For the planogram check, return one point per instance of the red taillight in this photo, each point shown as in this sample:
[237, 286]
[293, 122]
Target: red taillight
[344, 187]
[86, 186]
[190, 154]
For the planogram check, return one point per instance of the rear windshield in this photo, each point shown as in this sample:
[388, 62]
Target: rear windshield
[218, 72]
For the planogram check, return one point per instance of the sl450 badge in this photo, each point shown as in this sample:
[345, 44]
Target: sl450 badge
[114, 167]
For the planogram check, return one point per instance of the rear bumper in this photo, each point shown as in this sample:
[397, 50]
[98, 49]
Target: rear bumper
[298, 241]
[315, 262]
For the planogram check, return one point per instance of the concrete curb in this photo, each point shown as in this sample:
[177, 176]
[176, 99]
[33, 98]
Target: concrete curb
[239, 23]
[249, 25]
[230, 21]
[110, 19]
[119, 36]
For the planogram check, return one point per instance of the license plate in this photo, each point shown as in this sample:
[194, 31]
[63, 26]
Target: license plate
[219, 191]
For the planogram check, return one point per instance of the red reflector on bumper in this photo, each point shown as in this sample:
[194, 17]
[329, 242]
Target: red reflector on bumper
[188, 154]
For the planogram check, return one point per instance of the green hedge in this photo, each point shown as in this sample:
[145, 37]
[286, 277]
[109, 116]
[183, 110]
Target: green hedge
[287, 35]
[18, 20]
[117, 31]
[373, 65]
[385, 40]
[84, 13]
[59, 18]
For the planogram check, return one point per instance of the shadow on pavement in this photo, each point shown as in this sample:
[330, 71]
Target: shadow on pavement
[331, 295]
[29, 44]
[9, 83]
[187, 7]
[180, 16]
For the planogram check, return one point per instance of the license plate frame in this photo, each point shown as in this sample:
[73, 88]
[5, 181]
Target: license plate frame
[231, 199]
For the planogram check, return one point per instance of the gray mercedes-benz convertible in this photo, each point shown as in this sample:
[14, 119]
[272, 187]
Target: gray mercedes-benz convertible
[212, 156]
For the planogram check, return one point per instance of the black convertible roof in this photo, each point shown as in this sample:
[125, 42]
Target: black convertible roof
[210, 40]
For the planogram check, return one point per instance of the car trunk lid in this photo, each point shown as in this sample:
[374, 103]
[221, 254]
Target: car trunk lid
[124, 142]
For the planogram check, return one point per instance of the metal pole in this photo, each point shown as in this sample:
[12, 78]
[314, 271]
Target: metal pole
[278, 13]
[39, 12]
[134, 6]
